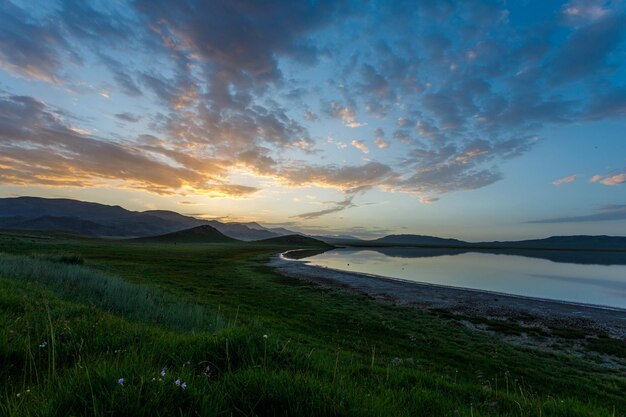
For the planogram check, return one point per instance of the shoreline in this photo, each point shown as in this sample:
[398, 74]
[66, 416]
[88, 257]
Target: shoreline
[459, 301]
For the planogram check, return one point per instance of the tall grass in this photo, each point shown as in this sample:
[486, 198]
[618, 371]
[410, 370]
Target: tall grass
[298, 350]
[75, 282]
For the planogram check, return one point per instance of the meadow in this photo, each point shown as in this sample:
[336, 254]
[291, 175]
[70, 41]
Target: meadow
[99, 327]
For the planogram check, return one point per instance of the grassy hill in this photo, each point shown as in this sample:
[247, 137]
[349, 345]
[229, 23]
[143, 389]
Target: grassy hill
[199, 234]
[291, 240]
[121, 332]
[416, 240]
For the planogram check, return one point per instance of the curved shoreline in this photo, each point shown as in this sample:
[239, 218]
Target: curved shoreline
[464, 301]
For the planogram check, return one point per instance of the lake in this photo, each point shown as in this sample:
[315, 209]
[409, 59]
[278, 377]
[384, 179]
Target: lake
[599, 278]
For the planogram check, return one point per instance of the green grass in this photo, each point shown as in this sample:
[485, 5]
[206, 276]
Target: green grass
[70, 330]
[607, 346]
[92, 287]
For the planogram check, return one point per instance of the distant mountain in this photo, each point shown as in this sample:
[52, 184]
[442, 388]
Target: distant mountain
[577, 242]
[241, 231]
[253, 225]
[566, 242]
[178, 218]
[93, 219]
[275, 231]
[415, 240]
[281, 231]
[198, 234]
[339, 239]
[293, 240]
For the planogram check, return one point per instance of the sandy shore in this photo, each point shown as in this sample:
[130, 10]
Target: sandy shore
[460, 301]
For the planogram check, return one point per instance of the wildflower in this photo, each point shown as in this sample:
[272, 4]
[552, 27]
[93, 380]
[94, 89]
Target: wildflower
[28, 391]
[120, 381]
[163, 372]
[177, 382]
[43, 345]
[153, 379]
[264, 336]
[18, 395]
[183, 385]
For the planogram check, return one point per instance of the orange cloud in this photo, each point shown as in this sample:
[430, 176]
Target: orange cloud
[381, 143]
[565, 180]
[614, 180]
[360, 146]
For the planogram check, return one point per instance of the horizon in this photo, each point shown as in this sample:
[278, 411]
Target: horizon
[312, 234]
[476, 120]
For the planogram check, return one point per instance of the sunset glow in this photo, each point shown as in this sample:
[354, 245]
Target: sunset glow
[477, 119]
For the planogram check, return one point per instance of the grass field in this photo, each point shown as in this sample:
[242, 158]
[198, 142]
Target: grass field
[107, 328]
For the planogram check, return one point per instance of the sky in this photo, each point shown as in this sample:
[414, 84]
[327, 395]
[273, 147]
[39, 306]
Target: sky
[470, 119]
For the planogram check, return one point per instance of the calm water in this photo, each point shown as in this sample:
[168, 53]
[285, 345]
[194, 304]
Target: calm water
[601, 284]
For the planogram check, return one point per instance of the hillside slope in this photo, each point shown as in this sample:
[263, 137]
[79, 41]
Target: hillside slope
[199, 234]
[294, 240]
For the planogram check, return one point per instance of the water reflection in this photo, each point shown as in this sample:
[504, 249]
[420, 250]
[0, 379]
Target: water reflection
[582, 277]
[575, 257]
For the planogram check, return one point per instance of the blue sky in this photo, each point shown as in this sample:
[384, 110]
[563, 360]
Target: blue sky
[471, 119]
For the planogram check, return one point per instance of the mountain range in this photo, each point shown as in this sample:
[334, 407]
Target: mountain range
[576, 242]
[93, 219]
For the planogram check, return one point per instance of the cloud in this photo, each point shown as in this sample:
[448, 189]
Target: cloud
[566, 180]
[374, 84]
[577, 11]
[360, 146]
[220, 99]
[310, 116]
[611, 179]
[128, 117]
[445, 108]
[345, 113]
[348, 178]
[242, 58]
[37, 146]
[30, 48]
[87, 21]
[339, 206]
[587, 49]
[379, 139]
[221, 190]
[428, 200]
[614, 180]
[607, 105]
[449, 177]
[381, 143]
[612, 212]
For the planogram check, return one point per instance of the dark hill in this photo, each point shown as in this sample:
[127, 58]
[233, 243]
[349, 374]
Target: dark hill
[417, 240]
[58, 223]
[292, 240]
[575, 242]
[54, 214]
[199, 234]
